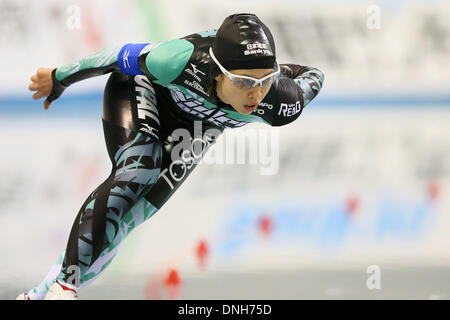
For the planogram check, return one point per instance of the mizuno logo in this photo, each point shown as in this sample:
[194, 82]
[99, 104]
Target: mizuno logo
[194, 68]
[125, 59]
[194, 72]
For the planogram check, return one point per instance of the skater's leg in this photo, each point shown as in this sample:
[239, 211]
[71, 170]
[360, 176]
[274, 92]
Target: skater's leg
[136, 162]
[159, 194]
[136, 166]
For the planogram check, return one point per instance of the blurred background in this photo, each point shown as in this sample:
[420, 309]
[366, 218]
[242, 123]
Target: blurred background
[359, 208]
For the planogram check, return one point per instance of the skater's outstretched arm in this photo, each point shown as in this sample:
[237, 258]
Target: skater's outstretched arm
[159, 61]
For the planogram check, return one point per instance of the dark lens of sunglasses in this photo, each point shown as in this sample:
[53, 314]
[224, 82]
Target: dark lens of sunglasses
[237, 82]
[249, 83]
[266, 83]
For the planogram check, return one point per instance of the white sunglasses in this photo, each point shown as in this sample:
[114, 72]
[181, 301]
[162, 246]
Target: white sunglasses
[244, 82]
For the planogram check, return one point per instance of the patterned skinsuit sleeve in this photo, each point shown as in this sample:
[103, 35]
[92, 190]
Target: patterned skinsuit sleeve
[161, 62]
[295, 88]
[309, 79]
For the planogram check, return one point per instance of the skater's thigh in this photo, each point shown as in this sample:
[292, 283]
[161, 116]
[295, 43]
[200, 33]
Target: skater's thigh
[130, 116]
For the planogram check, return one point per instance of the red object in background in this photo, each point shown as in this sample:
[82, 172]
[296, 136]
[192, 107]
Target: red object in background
[352, 205]
[86, 181]
[91, 33]
[202, 252]
[265, 225]
[173, 284]
[434, 190]
[154, 287]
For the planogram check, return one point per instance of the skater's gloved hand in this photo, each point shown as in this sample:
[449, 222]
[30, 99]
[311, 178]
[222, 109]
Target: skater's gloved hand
[42, 83]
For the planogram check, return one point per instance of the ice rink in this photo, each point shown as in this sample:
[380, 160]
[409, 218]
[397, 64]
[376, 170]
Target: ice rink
[421, 283]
